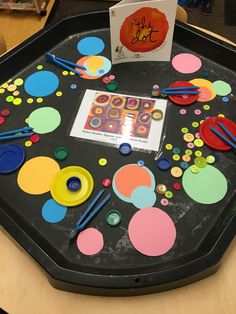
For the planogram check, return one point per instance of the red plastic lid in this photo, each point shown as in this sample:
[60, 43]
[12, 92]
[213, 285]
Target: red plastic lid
[210, 138]
[182, 100]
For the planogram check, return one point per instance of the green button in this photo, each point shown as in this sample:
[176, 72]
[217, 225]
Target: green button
[61, 153]
[168, 194]
[194, 169]
[210, 159]
[113, 218]
[200, 162]
[112, 86]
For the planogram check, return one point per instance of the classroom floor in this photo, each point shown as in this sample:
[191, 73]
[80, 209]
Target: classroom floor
[214, 23]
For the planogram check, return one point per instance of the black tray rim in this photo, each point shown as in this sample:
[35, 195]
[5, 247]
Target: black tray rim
[97, 284]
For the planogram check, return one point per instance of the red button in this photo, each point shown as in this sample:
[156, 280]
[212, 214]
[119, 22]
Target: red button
[210, 138]
[176, 186]
[2, 120]
[106, 183]
[182, 100]
[34, 138]
[5, 112]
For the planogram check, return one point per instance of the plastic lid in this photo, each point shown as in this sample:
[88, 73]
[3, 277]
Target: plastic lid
[61, 153]
[163, 164]
[210, 138]
[125, 149]
[12, 157]
[113, 218]
[112, 86]
[182, 100]
[73, 184]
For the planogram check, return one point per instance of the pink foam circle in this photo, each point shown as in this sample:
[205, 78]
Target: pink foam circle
[186, 63]
[90, 241]
[152, 231]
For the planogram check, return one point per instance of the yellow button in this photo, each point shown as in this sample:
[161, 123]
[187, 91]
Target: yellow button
[188, 152]
[161, 188]
[102, 162]
[28, 143]
[210, 159]
[184, 130]
[169, 146]
[198, 153]
[176, 157]
[168, 194]
[188, 137]
[198, 142]
[194, 169]
[186, 158]
[176, 172]
[195, 124]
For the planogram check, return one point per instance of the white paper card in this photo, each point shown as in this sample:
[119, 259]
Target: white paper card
[142, 30]
[110, 118]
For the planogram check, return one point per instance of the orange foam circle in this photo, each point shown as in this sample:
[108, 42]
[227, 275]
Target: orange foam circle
[36, 175]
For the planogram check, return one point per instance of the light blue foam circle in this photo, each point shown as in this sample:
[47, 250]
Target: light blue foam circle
[128, 199]
[143, 197]
[100, 71]
[90, 46]
[53, 212]
[41, 83]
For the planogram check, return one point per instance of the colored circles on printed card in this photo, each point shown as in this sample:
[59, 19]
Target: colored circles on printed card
[60, 192]
[152, 231]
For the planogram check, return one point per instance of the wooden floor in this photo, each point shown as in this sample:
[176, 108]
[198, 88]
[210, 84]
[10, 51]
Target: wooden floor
[17, 26]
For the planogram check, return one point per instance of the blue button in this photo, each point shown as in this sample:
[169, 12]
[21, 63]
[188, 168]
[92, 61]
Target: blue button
[125, 149]
[225, 99]
[73, 184]
[184, 165]
[176, 150]
[140, 163]
[12, 157]
[163, 164]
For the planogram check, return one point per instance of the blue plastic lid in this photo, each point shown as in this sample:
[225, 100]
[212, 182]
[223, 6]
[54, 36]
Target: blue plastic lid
[125, 149]
[163, 163]
[73, 184]
[12, 157]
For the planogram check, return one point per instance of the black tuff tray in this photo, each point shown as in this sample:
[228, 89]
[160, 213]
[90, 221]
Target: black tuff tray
[203, 232]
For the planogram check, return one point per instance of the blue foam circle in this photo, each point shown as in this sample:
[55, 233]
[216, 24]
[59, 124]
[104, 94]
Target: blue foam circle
[53, 212]
[42, 83]
[12, 157]
[90, 46]
[143, 197]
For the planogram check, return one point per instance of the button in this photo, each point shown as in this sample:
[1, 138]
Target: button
[198, 153]
[188, 152]
[182, 100]
[195, 124]
[61, 153]
[102, 162]
[113, 218]
[125, 149]
[161, 188]
[188, 137]
[163, 164]
[106, 183]
[112, 86]
[12, 157]
[190, 145]
[210, 159]
[169, 194]
[176, 186]
[2, 120]
[164, 202]
[112, 77]
[184, 130]
[34, 138]
[186, 158]
[176, 150]
[198, 142]
[73, 184]
[140, 163]
[28, 143]
[194, 169]
[157, 114]
[225, 99]
[5, 112]
[168, 146]
[206, 107]
[106, 80]
[176, 172]
[184, 165]
[176, 157]
[200, 162]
